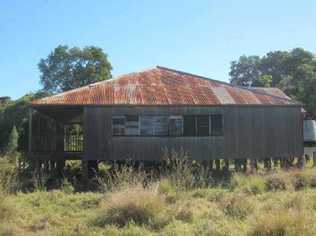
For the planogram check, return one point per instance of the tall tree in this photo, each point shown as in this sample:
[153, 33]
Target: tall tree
[68, 68]
[245, 71]
[292, 71]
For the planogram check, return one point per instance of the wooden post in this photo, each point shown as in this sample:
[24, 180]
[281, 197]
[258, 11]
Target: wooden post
[314, 159]
[254, 165]
[244, 163]
[282, 163]
[267, 163]
[275, 162]
[237, 165]
[30, 132]
[307, 158]
[226, 165]
[301, 162]
[211, 164]
[60, 138]
[218, 164]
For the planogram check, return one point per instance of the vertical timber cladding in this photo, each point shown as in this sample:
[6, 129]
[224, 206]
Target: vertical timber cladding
[96, 133]
[258, 132]
[249, 132]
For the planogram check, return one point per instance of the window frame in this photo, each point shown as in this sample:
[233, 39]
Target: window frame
[170, 117]
[222, 125]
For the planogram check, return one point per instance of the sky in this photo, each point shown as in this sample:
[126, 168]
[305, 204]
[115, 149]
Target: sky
[200, 37]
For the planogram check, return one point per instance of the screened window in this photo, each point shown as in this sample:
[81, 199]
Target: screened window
[146, 125]
[202, 125]
[131, 125]
[189, 126]
[217, 125]
[161, 125]
[154, 125]
[175, 125]
[196, 125]
[118, 124]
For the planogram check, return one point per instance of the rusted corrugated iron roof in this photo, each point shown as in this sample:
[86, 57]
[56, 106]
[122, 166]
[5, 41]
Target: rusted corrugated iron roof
[164, 86]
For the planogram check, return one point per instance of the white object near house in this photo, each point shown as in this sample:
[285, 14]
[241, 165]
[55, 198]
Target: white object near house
[309, 131]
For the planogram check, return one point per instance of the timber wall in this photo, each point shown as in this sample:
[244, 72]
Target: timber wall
[253, 132]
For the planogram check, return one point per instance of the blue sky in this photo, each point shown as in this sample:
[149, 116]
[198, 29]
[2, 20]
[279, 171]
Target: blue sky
[200, 36]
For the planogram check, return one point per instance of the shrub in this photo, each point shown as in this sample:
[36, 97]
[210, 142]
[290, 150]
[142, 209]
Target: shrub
[278, 181]
[252, 184]
[184, 213]
[184, 173]
[135, 204]
[236, 205]
[120, 177]
[282, 223]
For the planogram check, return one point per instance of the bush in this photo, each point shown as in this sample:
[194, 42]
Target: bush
[252, 184]
[236, 205]
[135, 204]
[278, 181]
[183, 173]
[124, 176]
[283, 223]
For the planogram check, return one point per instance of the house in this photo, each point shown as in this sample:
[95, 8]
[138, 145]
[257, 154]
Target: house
[136, 115]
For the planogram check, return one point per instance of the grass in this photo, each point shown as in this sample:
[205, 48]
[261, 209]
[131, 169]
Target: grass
[279, 203]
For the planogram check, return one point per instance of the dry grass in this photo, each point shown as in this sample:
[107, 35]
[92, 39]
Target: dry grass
[281, 203]
[133, 205]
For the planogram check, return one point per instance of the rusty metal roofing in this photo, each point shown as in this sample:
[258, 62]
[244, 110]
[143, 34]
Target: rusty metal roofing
[164, 86]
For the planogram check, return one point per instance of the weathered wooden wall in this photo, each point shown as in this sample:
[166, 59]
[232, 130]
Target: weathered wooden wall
[249, 132]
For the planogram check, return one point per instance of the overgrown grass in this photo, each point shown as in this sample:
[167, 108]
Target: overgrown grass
[132, 201]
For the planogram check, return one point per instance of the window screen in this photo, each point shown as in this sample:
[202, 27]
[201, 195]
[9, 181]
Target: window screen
[161, 125]
[154, 125]
[118, 125]
[202, 125]
[217, 125]
[189, 128]
[131, 125]
[146, 125]
[175, 125]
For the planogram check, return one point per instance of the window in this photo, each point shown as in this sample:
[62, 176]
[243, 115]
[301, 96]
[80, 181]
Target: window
[202, 125]
[189, 128]
[146, 125]
[161, 125]
[154, 125]
[118, 125]
[217, 125]
[132, 125]
[150, 125]
[175, 125]
[196, 125]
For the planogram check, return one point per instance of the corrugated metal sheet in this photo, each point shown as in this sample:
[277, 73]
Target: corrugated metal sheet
[164, 86]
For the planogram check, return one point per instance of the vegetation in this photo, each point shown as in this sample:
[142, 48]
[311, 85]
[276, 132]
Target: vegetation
[68, 68]
[13, 142]
[132, 201]
[293, 71]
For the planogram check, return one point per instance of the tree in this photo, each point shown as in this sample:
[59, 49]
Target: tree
[68, 68]
[293, 71]
[13, 141]
[245, 71]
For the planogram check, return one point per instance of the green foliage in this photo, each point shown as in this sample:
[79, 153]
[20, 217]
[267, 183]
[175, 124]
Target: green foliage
[292, 71]
[15, 113]
[68, 68]
[252, 184]
[244, 70]
[13, 142]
